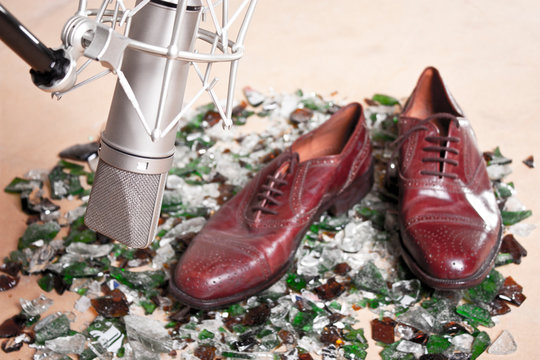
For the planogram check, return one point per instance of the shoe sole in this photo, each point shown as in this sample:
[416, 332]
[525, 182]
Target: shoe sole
[366, 180]
[449, 284]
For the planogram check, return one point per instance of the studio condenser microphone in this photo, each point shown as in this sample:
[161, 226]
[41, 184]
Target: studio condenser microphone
[125, 200]
[151, 59]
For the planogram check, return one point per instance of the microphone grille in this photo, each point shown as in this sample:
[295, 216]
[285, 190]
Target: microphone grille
[124, 205]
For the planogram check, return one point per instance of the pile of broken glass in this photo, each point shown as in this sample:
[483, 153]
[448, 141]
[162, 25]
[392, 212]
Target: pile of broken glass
[345, 265]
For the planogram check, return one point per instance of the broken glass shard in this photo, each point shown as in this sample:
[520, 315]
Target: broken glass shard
[498, 307]
[51, 327]
[369, 278]
[37, 306]
[486, 291]
[36, 232]
[354, 352]
[513, 217]
[67, 344]
[112, 305]
[18, 185]
[82, 304]
[295, 282]
[63, 183]
[437, 344]
[80, 152]
[512, 292]
[529, 161]
[383, 330]
[253, 97]
[302, 115]
[89, 250]
[385, 100]
[410, 347]
[511, 246]
[330, 290]
[463, 342]
[256, 315]
[406, 292]
[390, 352]
[145, 281]
[475, 314]
[480, 344]
[41, 258]
[148, 332]
[419, 318]
[8, 282]
[13, 326]
[503, 345]
[205, 352]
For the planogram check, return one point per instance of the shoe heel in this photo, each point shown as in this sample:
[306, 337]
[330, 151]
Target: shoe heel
[353, 194]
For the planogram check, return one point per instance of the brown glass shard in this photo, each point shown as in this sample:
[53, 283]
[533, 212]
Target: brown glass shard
[80, 152]
[300, 116]
[511, 292]
[498, 307]
[8, 282]
[226, 191]
[342, 268]
[205, 352]
[11, 268]
[13, 326]
[113, 305]
[212, 117]
[257, 315]
[305, 356]
[286, 337]
[453, 328]
[511, 246]
[529, 161]
[331, 335]
[331, 290]
[383, 330]
[238, 109]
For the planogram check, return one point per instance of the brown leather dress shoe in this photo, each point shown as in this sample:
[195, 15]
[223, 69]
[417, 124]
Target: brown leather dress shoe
[251, 241]
[449, 221]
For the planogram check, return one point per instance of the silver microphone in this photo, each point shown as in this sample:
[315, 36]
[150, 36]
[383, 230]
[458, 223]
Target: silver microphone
[125, 200]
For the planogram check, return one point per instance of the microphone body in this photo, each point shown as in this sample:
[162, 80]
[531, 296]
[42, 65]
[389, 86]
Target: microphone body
[125, 200]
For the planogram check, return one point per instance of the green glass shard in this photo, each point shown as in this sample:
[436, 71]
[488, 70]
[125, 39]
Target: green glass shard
[385, 99]
[303, 321]
[390, 352]
[235, 310]
[63, 183]
[87, 354]
[144, 280]
[296, 282]
[18, 185]
[78, 270]
[148, 306]
[437, 344]
[480, 344]
[235, 355]
[486, 291]
[355, 336]
[72, 168]
[86, 236]
[513, 217]
[354, 352]
[36, 231]
[476, 314]
[369, 278]
[56, 328]
[46, 282]
[205, 334]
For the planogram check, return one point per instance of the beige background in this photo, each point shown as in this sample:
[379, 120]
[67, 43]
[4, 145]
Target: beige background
[488, 51]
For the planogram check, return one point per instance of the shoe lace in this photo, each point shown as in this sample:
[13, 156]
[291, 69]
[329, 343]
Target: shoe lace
[269, 191]
[442, 144]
